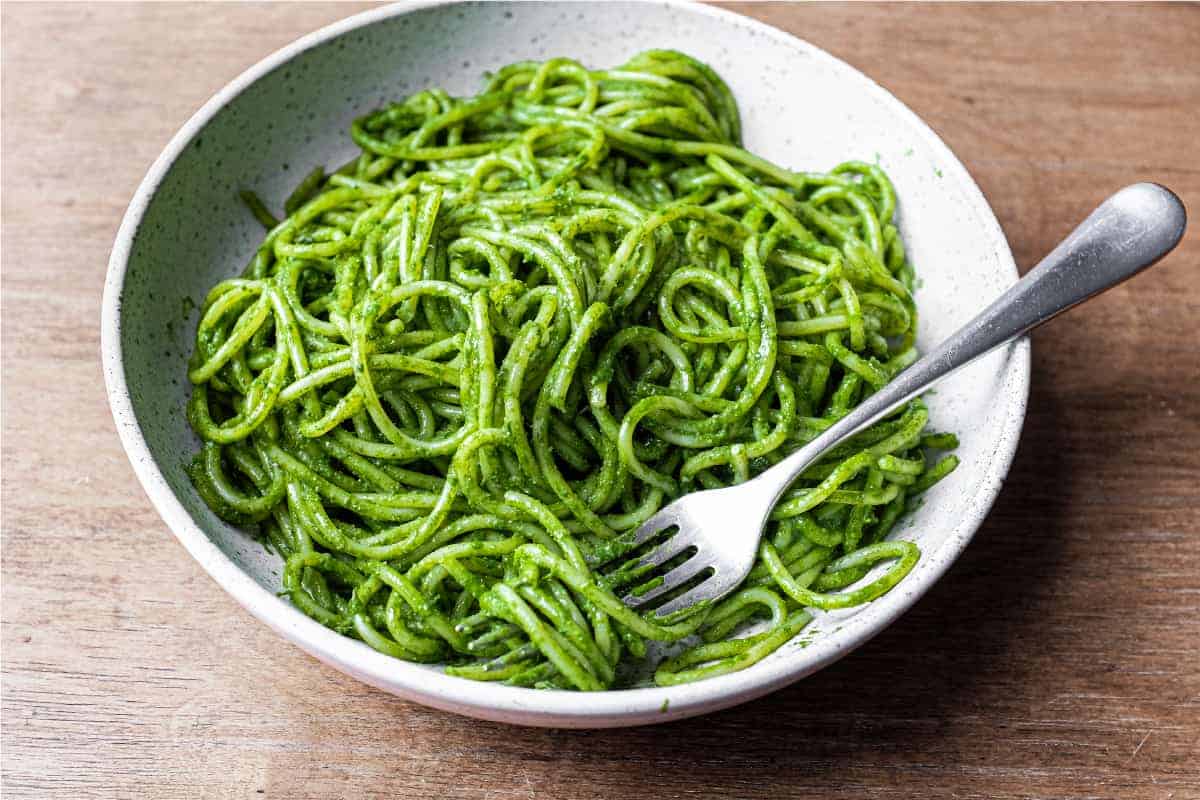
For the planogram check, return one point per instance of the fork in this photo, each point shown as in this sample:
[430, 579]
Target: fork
[1127, 233]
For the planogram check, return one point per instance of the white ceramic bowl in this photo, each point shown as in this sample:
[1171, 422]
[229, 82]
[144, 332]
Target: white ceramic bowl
[802, 108]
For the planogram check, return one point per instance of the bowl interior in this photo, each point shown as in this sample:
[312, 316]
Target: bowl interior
[800, 107]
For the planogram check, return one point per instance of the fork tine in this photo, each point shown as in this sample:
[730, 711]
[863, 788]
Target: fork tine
[664, 552]
[681, 574]
[662, 520]
[708, 589]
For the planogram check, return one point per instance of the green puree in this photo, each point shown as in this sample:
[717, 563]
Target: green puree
[470, 360]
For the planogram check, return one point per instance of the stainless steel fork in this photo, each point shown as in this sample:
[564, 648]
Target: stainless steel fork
[1126, 234]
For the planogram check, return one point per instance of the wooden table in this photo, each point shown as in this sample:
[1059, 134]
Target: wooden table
[1059, 658]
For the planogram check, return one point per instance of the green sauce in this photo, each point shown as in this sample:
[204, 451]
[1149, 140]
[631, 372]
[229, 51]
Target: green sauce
[465, 364]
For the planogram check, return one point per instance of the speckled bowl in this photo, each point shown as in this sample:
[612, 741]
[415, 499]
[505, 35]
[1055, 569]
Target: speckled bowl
[185, 230]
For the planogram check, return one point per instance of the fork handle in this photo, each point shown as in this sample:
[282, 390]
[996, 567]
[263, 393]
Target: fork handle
[1126, 234]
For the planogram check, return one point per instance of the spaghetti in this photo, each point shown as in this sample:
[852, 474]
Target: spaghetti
[467, 363]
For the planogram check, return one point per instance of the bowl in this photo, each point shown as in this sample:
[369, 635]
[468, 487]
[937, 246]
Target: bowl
[186, 229]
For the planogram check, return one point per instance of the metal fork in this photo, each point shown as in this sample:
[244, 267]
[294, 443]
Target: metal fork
[1126, 234]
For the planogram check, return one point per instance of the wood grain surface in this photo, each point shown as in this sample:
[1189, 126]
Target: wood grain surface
[1059, 658]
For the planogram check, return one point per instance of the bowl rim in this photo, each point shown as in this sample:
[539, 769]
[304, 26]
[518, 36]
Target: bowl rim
[557, 708]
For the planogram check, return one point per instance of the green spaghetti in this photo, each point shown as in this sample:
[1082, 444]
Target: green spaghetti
[468, 363]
